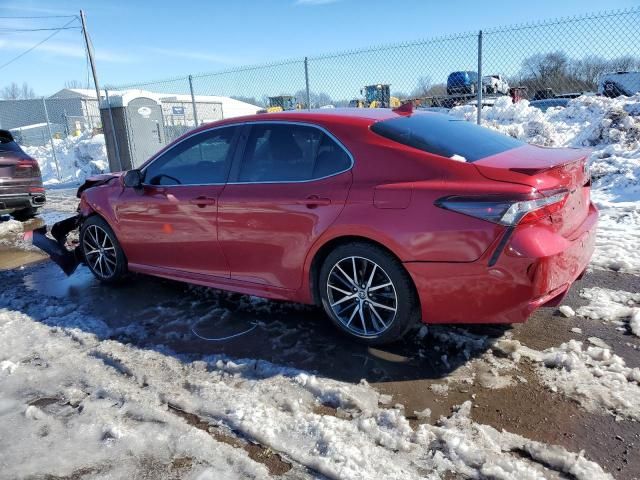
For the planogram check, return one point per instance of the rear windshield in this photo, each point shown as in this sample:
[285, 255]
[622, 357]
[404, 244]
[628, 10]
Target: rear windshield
[10, 147]
[445, 136]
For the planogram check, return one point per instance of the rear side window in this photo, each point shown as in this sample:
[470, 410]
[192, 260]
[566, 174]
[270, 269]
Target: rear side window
[445, 136]
[279, 152]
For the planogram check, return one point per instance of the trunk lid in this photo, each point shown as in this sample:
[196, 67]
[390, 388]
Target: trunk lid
[547, 170]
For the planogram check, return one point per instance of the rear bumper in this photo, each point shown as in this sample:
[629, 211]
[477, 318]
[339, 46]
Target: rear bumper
[17, 201]
[535, 268]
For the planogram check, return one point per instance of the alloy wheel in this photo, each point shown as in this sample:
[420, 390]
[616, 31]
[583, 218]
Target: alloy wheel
[99, 251]
[362, 296]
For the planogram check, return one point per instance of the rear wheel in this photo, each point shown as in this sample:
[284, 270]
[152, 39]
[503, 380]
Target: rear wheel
[367, 293]
[101, 250]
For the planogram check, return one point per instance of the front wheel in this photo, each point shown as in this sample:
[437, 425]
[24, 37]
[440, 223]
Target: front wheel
[367, 293]
[102, 252]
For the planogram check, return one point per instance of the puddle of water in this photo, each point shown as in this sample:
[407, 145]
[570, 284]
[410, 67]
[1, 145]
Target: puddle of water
[11, 258]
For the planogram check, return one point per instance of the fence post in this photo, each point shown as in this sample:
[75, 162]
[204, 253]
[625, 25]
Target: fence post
[479, 119]
[53, 148]
[193, 101]
[116, 148]
[306, 81]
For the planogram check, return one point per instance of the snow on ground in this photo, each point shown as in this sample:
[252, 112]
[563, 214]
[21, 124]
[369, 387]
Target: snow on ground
[67, 385]
[78, 157]
[592, 375]
[612, 306]
[611, 128]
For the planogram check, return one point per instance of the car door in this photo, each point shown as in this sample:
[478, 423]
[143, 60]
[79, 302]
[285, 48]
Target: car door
[171, 221]
[289, 184]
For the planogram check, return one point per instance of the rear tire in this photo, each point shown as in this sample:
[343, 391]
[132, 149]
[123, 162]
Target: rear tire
[101, 250]
[25, 214]
[367, 293]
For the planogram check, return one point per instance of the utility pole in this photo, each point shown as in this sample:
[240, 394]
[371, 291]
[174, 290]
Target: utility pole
[92, 61]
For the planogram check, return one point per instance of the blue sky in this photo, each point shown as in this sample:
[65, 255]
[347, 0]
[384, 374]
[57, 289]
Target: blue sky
[138, 41]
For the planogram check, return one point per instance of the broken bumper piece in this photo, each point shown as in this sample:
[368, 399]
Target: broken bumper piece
[55, 247]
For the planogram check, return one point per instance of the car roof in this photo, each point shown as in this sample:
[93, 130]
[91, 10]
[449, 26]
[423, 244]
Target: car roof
[354, 116]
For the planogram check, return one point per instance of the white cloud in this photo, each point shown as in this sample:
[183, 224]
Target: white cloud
[65, 49]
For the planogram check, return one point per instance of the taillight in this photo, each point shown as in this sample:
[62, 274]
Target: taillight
[505, 210]
[27, 168]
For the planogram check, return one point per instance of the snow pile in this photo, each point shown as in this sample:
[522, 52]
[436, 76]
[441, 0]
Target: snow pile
[611, 128]
[78, 157]
[479, 451]
[612, 306]
[593, 376]
[10, 229]
[12, 233]
[64, 390]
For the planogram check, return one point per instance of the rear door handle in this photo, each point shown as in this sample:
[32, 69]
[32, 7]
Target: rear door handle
[203, 201]
[313, 201]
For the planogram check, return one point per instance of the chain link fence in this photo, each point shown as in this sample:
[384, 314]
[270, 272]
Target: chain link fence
[49, 127]
[547, 61]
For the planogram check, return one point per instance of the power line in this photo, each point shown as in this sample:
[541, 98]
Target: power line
[19, 30]
[37, 44]
[42, 16]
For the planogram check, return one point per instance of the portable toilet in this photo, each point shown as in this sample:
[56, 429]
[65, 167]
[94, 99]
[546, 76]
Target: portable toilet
[133, 127]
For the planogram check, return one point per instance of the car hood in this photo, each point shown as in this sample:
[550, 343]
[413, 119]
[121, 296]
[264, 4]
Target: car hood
[96, 180]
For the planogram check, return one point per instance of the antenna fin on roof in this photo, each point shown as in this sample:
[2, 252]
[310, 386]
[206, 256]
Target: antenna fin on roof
[405, 109]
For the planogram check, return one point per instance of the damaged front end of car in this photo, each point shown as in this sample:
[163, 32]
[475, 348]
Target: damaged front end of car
[55, 244]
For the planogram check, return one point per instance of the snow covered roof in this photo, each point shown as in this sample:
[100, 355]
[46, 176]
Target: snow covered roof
[122, 98]
[230, 106]
[86, 93]
[29, 127]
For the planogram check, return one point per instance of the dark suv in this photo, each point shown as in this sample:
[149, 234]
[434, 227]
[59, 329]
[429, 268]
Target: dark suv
[21, 189]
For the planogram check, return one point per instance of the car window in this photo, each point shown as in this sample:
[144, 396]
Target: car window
[201, 159]
[445, 136]
[282, 152]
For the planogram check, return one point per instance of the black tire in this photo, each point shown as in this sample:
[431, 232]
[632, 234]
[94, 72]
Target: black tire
[25, 214]
[407, 311]
[109, 265]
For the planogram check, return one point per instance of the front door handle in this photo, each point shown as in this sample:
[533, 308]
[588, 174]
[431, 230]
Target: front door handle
[313, 201]
[203, 201]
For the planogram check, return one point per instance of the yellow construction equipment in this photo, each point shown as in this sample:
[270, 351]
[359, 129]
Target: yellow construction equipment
[376, 96]
[280, 103]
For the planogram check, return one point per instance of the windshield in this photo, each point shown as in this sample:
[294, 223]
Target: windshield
[445, 136]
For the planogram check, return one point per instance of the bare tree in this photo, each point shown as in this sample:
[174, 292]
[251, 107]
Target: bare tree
[317, 99]
[424, 85]
[251, 100]
[546, 66]
[13, 91]
[73, 84]
[27, 91]
[588, 70]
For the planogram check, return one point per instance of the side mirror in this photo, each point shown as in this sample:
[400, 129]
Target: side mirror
[133, 179]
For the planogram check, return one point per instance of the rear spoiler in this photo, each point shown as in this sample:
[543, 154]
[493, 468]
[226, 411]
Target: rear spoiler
[6, 136]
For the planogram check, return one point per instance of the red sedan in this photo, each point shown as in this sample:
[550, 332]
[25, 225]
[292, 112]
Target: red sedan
[384, 217]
